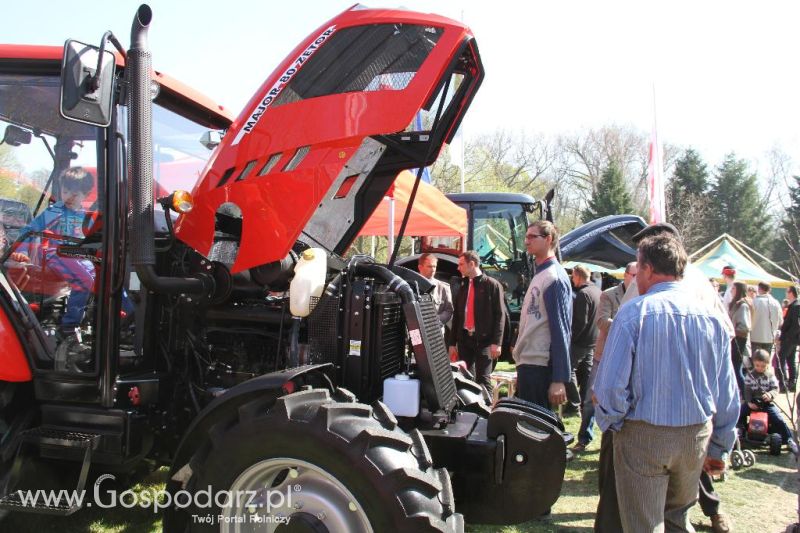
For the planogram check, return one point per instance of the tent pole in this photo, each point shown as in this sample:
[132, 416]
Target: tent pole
[767, 259]
[706, 246]
[391, 224]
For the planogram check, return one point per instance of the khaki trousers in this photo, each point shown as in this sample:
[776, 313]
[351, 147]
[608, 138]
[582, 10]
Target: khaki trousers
[658, 471]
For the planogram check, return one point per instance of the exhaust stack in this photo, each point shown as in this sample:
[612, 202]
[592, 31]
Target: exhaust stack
[140, 139]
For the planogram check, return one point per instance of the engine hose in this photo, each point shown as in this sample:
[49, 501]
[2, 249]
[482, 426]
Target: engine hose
[294, 343]
[332, 289]
[394, 282]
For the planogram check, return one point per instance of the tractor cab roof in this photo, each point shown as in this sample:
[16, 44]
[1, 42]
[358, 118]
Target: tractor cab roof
[174, 95]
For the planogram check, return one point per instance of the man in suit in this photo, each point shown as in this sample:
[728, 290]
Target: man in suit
[478, 319]
[787, 344]
[441, 292]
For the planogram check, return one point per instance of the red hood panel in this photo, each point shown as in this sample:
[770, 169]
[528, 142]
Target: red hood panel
[277, 202]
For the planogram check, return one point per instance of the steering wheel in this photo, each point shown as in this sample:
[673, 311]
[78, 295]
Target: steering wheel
[489, 257]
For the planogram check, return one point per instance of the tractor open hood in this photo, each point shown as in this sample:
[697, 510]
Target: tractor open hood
[366, 95]
[606, 241]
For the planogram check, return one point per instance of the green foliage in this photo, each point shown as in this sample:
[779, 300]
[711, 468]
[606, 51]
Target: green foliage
[689, 180]
[687, 200]
[10, 188]
[611, 196]
[691, 175]
[737, 208]
[787, 246]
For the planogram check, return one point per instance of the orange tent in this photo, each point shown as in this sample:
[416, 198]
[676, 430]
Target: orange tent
[432, 213]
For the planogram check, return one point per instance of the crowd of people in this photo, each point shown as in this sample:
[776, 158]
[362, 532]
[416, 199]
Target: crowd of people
[669, 368]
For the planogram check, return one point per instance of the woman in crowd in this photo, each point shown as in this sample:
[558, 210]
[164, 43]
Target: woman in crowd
[741, 313]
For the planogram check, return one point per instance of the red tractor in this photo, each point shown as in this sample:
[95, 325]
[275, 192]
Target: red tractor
[200, 345]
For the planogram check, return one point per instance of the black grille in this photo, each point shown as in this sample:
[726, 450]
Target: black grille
[437, 349]
[390, 340]
[427, 340]
[362, 58]
[322, 331]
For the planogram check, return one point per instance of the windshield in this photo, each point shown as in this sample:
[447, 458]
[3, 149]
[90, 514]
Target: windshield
[178, 155]
[499, 236]
[37, 146]
[52, 177]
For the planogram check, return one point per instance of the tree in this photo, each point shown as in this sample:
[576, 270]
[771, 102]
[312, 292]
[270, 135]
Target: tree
[787, 250]
[737, 208]
[611, 198]
[687, 200]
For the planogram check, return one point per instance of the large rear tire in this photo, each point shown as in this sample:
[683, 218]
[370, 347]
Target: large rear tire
[326, 465]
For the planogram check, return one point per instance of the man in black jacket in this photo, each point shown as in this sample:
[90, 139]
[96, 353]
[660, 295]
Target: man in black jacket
[586, 300]
[787, 344]
[478, 319]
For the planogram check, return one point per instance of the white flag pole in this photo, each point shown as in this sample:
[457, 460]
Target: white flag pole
[655, 173]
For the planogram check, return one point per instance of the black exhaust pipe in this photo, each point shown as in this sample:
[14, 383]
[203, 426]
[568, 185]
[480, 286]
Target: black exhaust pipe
[140, 139]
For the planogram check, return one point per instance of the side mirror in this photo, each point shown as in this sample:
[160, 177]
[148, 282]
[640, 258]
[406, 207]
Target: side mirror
[16, 136]
[211, 139]
[86, 94]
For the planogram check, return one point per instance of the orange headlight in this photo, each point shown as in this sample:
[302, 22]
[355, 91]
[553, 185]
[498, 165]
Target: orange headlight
[182, 201]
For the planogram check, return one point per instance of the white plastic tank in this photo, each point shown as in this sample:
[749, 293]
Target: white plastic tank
[308, 281]
[401, 395]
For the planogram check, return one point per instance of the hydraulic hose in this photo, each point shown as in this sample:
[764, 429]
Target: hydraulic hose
[394, 282]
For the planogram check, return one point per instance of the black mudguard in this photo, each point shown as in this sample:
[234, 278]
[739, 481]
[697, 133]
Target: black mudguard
[507, 468]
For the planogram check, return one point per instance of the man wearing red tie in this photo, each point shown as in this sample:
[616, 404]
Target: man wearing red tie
[478, 319]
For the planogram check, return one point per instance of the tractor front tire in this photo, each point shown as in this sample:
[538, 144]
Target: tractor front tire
[324, 464]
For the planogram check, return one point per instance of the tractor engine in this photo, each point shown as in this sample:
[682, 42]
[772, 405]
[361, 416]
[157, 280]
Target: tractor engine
[371, 323]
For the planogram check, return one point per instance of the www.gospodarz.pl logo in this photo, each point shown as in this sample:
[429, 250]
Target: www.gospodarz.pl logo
[262, 506]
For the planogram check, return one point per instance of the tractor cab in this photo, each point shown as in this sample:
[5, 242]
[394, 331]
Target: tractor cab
[61, 249]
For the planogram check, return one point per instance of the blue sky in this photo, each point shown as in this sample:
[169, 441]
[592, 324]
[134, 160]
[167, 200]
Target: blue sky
[725, 73]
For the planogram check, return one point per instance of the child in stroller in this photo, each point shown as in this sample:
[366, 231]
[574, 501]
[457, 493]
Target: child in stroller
[760, 391]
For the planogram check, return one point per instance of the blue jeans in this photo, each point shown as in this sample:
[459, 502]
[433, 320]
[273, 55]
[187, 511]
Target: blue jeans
[586, 431]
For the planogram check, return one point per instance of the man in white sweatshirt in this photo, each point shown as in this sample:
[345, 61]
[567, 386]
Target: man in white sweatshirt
[767, 320]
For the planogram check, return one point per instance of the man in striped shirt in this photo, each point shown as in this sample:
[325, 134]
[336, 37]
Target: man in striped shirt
[665, 385]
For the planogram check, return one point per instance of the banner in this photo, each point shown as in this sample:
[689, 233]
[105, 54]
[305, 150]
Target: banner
[655, 180]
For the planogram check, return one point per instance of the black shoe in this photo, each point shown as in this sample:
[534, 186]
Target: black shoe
[569, 412]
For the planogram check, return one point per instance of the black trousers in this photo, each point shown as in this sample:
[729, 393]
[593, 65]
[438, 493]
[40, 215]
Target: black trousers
[478, 359]
[709, 500]
[607, 519]
[533, 384]
[581, 360]
[787, 359]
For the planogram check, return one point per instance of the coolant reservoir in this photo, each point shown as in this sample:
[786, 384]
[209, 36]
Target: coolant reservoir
[401, 395]
[308, 281]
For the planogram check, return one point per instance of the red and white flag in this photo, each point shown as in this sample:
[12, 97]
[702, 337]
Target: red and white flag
[655, 180]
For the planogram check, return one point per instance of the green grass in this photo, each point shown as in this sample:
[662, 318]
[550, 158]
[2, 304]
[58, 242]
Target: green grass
[763, 497]
[760, 498]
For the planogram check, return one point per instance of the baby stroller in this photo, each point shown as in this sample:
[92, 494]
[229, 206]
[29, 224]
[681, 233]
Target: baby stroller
[740, 458]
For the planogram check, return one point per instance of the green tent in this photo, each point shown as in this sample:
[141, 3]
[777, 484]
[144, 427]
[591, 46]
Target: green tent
[726, 250]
